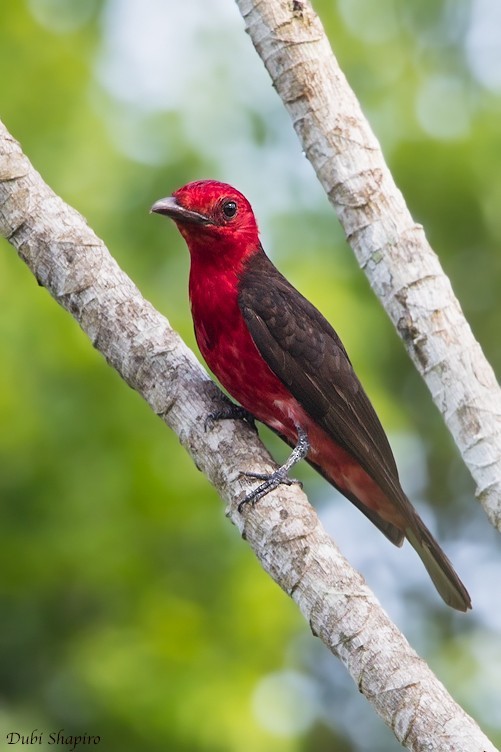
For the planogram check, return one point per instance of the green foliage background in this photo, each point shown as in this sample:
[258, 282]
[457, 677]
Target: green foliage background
[129, 607]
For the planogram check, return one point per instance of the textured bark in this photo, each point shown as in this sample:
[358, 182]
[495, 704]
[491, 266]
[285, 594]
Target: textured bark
[390, 247]
[69, 260]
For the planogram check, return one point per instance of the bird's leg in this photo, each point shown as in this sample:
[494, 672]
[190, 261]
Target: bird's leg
[280, 475]
[228, 410]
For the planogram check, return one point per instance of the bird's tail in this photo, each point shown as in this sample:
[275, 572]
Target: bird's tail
[438, 566]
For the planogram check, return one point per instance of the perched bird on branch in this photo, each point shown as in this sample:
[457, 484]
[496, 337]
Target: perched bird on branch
[283, 362]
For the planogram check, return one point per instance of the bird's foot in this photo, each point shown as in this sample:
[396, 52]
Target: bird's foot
[280, 476]
[271, 481]
[227, 410]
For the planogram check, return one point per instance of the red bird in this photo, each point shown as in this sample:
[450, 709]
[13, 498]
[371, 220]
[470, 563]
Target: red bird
[284, 363]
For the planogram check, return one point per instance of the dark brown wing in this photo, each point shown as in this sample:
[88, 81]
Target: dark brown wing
[306, 354]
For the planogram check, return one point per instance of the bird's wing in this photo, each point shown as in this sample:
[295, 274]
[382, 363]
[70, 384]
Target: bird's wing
[306, 354]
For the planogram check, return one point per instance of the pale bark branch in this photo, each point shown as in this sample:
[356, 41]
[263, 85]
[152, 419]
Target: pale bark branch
[283, 530]
[390, 247]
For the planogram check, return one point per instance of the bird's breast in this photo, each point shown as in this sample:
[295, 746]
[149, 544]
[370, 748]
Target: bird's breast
[229, 350]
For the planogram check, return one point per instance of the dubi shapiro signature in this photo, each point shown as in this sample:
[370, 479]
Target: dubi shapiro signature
[52, 737]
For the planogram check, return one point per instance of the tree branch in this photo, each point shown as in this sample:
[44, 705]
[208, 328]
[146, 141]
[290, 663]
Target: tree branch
[390, 247]
[283, 530]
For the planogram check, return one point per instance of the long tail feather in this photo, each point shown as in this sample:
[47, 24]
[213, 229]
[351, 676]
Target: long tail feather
[438, 567]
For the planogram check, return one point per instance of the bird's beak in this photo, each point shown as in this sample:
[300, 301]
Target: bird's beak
[173, 209]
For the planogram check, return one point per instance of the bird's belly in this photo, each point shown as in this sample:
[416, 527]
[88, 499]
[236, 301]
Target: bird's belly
[250, 381]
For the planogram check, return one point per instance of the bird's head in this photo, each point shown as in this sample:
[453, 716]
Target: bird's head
[214, 218]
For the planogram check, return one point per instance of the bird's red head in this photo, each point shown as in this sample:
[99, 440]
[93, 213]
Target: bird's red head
[214, 218]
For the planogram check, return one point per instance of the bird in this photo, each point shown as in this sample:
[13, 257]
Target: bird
[286, 367]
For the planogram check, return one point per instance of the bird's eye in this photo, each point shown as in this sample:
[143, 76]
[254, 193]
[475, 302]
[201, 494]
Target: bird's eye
[229, 209]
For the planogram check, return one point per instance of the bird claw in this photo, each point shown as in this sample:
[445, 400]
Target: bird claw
[280, 476]
[229, 411]
[271, 481]
[209, 422]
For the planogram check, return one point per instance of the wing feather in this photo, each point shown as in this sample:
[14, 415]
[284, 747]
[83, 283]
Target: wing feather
[306, 354]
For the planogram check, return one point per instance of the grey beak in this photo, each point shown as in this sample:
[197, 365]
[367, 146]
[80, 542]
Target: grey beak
[173, 209]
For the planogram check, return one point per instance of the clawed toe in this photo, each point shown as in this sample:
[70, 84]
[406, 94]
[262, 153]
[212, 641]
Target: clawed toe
[271, 481]
[281, 475]
[229, 411]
